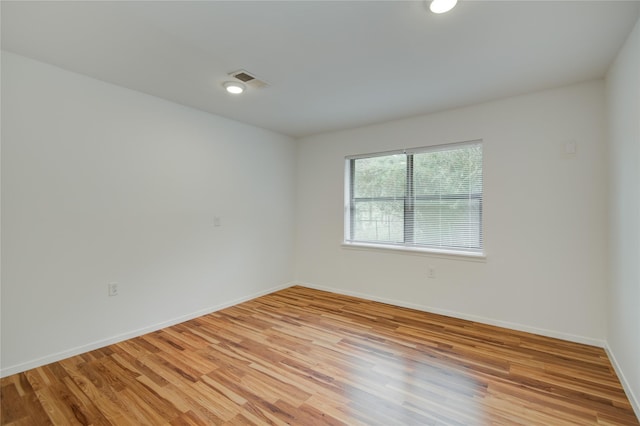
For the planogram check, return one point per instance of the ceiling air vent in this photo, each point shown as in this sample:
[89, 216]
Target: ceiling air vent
[248, 79]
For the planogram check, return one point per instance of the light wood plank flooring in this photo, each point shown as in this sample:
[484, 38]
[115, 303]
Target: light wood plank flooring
[306, 357]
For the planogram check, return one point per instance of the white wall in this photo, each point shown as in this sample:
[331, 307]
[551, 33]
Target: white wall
[545, 216]
[623, 96]
[101, 184]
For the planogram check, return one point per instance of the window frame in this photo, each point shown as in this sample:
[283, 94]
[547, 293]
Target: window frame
[409, 211]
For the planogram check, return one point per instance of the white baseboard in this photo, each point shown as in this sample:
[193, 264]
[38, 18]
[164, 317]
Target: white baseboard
[633, 399]
[490, 321]
[18, 368]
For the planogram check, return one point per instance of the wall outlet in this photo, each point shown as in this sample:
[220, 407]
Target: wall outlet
[570, 147]
[431, 272]
[216, 221]
[113, 289]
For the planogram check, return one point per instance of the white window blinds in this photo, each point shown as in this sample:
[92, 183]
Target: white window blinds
[423, 198]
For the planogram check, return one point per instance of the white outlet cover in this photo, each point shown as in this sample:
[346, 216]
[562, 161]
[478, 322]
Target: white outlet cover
[570, 147]
[113, 289]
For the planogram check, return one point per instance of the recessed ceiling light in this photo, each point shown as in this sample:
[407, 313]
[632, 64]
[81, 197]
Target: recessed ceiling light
[442, 6]
[234, 87]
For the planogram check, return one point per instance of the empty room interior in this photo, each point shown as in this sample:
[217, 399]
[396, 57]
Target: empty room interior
[320, 212]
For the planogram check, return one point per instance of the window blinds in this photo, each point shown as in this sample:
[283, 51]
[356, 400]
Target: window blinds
[423, 198]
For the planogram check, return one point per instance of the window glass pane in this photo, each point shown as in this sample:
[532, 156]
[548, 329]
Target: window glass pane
[380, 176]
[448, 198]
[454, 171]
[379, 221]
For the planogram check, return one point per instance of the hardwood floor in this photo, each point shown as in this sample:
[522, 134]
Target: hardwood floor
[306, 357]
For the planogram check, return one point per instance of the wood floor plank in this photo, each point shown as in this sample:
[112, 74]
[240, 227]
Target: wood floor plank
[13, 407]
[307, 357]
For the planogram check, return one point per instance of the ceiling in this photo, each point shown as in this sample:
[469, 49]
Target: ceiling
[330, 64]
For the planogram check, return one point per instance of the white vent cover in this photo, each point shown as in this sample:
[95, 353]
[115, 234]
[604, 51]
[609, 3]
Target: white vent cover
[249, 79]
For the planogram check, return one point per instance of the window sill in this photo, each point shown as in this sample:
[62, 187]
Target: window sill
[445, 254]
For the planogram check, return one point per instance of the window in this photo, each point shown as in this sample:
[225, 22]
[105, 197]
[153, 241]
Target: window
[425, 198]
